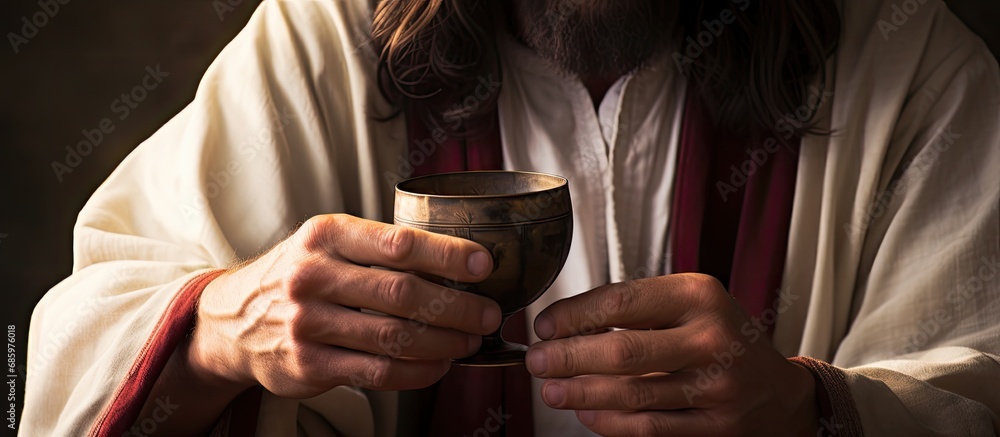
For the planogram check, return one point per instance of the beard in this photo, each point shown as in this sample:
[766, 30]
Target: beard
[595, 38]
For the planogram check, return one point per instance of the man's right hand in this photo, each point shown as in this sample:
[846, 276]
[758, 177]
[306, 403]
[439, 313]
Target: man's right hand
[289, 320]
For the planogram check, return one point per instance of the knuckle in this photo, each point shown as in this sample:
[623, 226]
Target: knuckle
[620, 299]
[709, 340]
[313, 233]
[705, 288]
[377, 375]
[335, 221]
[386, 334]
[397, 243]
[638, 396]
[626, 354]
[395, 288]
[648, 426]
[298, 277]
[298, 322]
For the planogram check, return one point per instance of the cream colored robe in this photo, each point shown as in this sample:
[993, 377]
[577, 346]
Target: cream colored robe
[892, 255]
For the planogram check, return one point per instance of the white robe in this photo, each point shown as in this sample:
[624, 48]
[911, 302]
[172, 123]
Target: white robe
[892, 257]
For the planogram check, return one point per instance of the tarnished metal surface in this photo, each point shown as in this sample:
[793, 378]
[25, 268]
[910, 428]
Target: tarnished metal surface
[524, 219]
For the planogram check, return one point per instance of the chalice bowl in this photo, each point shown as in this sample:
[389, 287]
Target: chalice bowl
[525, 220]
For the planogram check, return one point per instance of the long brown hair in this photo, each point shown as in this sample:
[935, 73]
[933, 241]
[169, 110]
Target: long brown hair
[753, 75]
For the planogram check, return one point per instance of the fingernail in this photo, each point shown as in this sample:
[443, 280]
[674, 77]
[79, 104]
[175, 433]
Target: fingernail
[537, 361]
[475, 342]
[478, 262]
[545, 326]
[586, 417]
[491, 318]
[554, 395]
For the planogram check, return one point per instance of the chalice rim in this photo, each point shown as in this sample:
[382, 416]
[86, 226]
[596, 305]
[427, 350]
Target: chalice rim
[563, 183]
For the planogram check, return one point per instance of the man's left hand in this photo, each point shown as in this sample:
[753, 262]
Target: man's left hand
[685, 363]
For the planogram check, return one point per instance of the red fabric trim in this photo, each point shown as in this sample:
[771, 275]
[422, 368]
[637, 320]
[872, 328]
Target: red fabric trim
[838, 412]
[127, 402]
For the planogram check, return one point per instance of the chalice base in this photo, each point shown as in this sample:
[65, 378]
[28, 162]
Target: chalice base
[495, 354]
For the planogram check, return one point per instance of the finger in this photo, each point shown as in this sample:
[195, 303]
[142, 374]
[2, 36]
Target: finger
[649, 423]
[395, 293]
[653, 303]
[376, 372]
[618, 353]
[405, 295]
[386, 335]
[371, 243]
[625, 393]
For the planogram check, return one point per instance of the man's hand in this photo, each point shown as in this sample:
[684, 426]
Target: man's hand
[290, 320]
[680, 368]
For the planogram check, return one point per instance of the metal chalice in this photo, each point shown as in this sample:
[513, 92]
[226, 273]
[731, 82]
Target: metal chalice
[524, 219]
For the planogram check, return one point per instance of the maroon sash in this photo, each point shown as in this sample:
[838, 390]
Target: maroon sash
[732, 208]
[730, 219]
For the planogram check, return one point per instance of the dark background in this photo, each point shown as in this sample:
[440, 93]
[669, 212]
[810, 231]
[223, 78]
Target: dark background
[65, 79]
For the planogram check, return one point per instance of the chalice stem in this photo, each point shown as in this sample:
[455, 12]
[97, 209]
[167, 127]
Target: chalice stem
[494, 341]
[495, 352]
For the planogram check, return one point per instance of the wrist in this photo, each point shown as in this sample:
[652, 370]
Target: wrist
[207, 356]
[204, 365]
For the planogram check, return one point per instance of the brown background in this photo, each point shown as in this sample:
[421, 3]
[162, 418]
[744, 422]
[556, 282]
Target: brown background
[65, 79]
